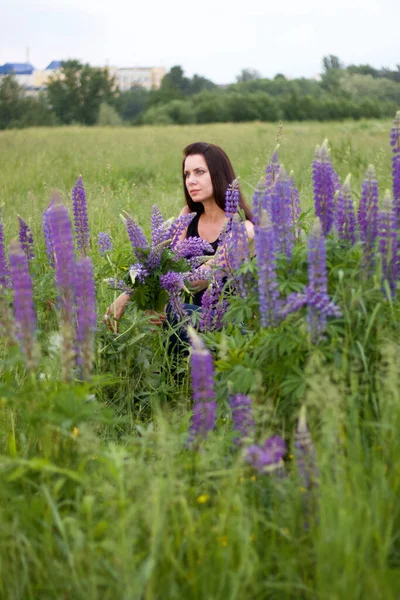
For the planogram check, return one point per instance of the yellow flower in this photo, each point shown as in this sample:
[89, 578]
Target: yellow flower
[252, 537]
[75, 432]
[302, 490]
[223, 540]
[291, 457]
[203, 498]
[253, 478]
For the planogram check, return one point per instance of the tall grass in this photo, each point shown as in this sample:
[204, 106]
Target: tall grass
[100, 497]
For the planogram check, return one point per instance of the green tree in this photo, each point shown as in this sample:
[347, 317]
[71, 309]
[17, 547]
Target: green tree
[76, 94]
[248, 75]
[19, 110]
[108, 116]
[132, 103]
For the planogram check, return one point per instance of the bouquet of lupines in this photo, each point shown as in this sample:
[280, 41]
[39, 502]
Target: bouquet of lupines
[163, 265]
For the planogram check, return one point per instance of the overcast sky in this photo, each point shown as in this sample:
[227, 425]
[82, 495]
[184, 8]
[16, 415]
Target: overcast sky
[208, 37]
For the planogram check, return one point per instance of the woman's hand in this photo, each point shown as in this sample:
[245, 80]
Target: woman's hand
[115, 311]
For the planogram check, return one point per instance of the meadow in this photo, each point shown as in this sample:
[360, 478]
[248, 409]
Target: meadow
[101, 497]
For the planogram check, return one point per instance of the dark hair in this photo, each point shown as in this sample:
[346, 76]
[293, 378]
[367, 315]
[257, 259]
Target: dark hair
[221, 172]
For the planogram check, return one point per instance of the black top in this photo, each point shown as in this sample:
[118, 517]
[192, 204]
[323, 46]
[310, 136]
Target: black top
[193, 231]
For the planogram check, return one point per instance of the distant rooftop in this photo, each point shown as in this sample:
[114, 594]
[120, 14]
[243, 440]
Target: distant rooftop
[55, 64]
[17, 69]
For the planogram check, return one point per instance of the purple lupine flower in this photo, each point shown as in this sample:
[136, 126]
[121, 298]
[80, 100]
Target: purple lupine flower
[268, 291]
[295, 208]
[157, 226]
[304, 452]
[4, 270]
[213, 305]
[193, 246]
[173, 283]
[155, 255]
[395, 143]
[25, 316]
[203, 420]
[271, 176]
[232, 198]
[178, 226]
[86, 315]
[118, 284]
[267, 458]
[238, 250]
[104, 242]
[25, 239]
[257, 201]
[317, 280]
[242, 416]
[345, 216]
[48, 240]
[293, 303]
[139, 272]
[65, 272]
[81, 221]
[136, 235]
[388, 243]
[324, 184]
[280, 213]
[368, 218]
[202, 369]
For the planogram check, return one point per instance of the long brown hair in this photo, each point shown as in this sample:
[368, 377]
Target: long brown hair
[221, 173]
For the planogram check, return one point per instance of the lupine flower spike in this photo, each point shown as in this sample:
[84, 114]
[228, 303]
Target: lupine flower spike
[202, 373]
[268, 459]
[395, 143]
[280, 212]
[47, 234]
[136, 235]
[213, 305]
[104, 242]
[25, 316]
[345, 216]
[388, 243]
[81, 221]
[242, 416]
[368, 218]
[4, 270]
[65, 272]
[25, 239]
[232, 198]
[325, 183]
[174, 283]
[86, 315]
[271, 176]
[268, 291]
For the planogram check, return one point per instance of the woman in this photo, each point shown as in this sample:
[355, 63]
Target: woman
[207, 173]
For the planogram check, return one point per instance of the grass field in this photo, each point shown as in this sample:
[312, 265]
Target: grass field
[101, 499]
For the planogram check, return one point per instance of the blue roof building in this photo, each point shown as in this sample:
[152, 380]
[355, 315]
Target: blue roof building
[55, 64]
[17, 69]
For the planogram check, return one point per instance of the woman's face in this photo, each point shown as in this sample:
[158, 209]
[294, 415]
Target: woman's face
[198, 179]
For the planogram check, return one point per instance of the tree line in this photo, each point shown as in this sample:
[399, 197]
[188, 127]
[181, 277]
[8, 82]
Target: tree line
[89, 96]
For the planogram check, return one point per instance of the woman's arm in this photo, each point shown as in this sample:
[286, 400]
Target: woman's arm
[115, 311]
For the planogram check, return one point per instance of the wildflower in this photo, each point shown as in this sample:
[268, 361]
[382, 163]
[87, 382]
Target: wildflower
[65, 272]
[267, 280]
[203, 421]
[242, 415]
[86, 315]
[280, 212]
[4, 270]
[25, 239]
[325, 181]
[178, 226]
[257, 201]
[47, 234]
[388, 242]
[104, 242]
[174, 283]
[213, 305]
[25, 316]
[137, 238]
[395, 143]
[157, 226]
[193, 246]
[75, 432]
[345, 217]
[232, 197]
[139, 272]
[203, 498]
[271, 176]
[368, 218]
[81, 222]
[266, 458]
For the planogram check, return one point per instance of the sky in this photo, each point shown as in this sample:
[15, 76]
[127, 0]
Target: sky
[213, 38]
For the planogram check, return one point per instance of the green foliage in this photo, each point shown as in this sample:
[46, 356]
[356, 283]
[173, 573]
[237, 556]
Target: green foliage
[77, 92]
[18, 110]
[108, 116]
